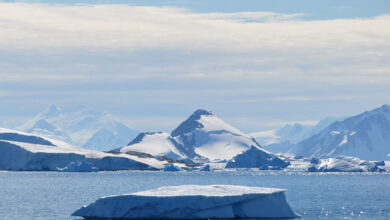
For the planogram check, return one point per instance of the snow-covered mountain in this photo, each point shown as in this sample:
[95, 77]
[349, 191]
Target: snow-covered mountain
[201, 137]
[282, 139]
[80, 126]
[46, 129]
[366, 136]
[23, 151]
[206, 135]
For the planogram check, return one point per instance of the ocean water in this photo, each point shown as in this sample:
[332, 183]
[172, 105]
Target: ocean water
[52, 195]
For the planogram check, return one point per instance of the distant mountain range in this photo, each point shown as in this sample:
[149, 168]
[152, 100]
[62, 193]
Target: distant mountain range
[291, 132]
[366, 136]
[80, 126]
[201, 137]
[205, 137]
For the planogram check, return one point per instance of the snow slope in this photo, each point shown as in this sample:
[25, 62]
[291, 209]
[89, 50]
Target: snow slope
[23, 151]
[80, 126]
[206, 135]
[193, 202]
[157, 144]
[366, 136]
[44, 128]
[344, 164]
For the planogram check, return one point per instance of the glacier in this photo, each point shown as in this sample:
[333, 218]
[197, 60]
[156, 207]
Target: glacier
[23, 151]
[345, 164]
[192, 202]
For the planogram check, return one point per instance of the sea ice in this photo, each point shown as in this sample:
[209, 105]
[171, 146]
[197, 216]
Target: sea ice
[344, 164]
[192, 202]
[172, 167]
[78, 166]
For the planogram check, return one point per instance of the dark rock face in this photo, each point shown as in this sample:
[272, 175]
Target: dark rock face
[141, 136]
[191, 123]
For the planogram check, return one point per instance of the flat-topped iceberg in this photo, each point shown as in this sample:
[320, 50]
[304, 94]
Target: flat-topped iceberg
[192, 202]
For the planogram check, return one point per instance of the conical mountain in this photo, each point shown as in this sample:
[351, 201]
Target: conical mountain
[205, 135]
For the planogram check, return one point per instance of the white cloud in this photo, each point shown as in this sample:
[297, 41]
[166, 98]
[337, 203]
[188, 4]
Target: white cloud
[131, 27]
[257, 64]
[274, 46]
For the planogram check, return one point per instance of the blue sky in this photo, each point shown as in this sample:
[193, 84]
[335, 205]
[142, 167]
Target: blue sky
[321, 9]
[257, 64]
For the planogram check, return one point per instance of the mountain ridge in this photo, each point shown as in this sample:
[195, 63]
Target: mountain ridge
[365, 135]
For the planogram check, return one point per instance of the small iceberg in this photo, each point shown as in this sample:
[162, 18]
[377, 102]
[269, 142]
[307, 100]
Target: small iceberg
[206, 168]
[78, 166]
[172, 167]
[345, 164]
[192, 202]
[257, 158]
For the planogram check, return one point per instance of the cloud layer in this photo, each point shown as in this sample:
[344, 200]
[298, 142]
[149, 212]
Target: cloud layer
[153, 61]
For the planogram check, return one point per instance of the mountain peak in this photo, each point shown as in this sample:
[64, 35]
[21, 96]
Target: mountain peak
[141, 136]
[385, 107]
[191, 122]
[200, 112]
[52, 111]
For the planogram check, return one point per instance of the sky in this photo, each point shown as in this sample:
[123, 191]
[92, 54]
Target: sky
[256, 64]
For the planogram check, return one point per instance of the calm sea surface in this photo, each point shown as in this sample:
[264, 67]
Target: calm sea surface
[51, 195]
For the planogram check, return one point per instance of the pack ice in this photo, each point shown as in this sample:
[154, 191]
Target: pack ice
[192, 202]
[345, 164]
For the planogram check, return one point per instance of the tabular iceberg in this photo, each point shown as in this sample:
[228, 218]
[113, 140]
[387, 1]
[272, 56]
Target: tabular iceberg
[192, 202]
